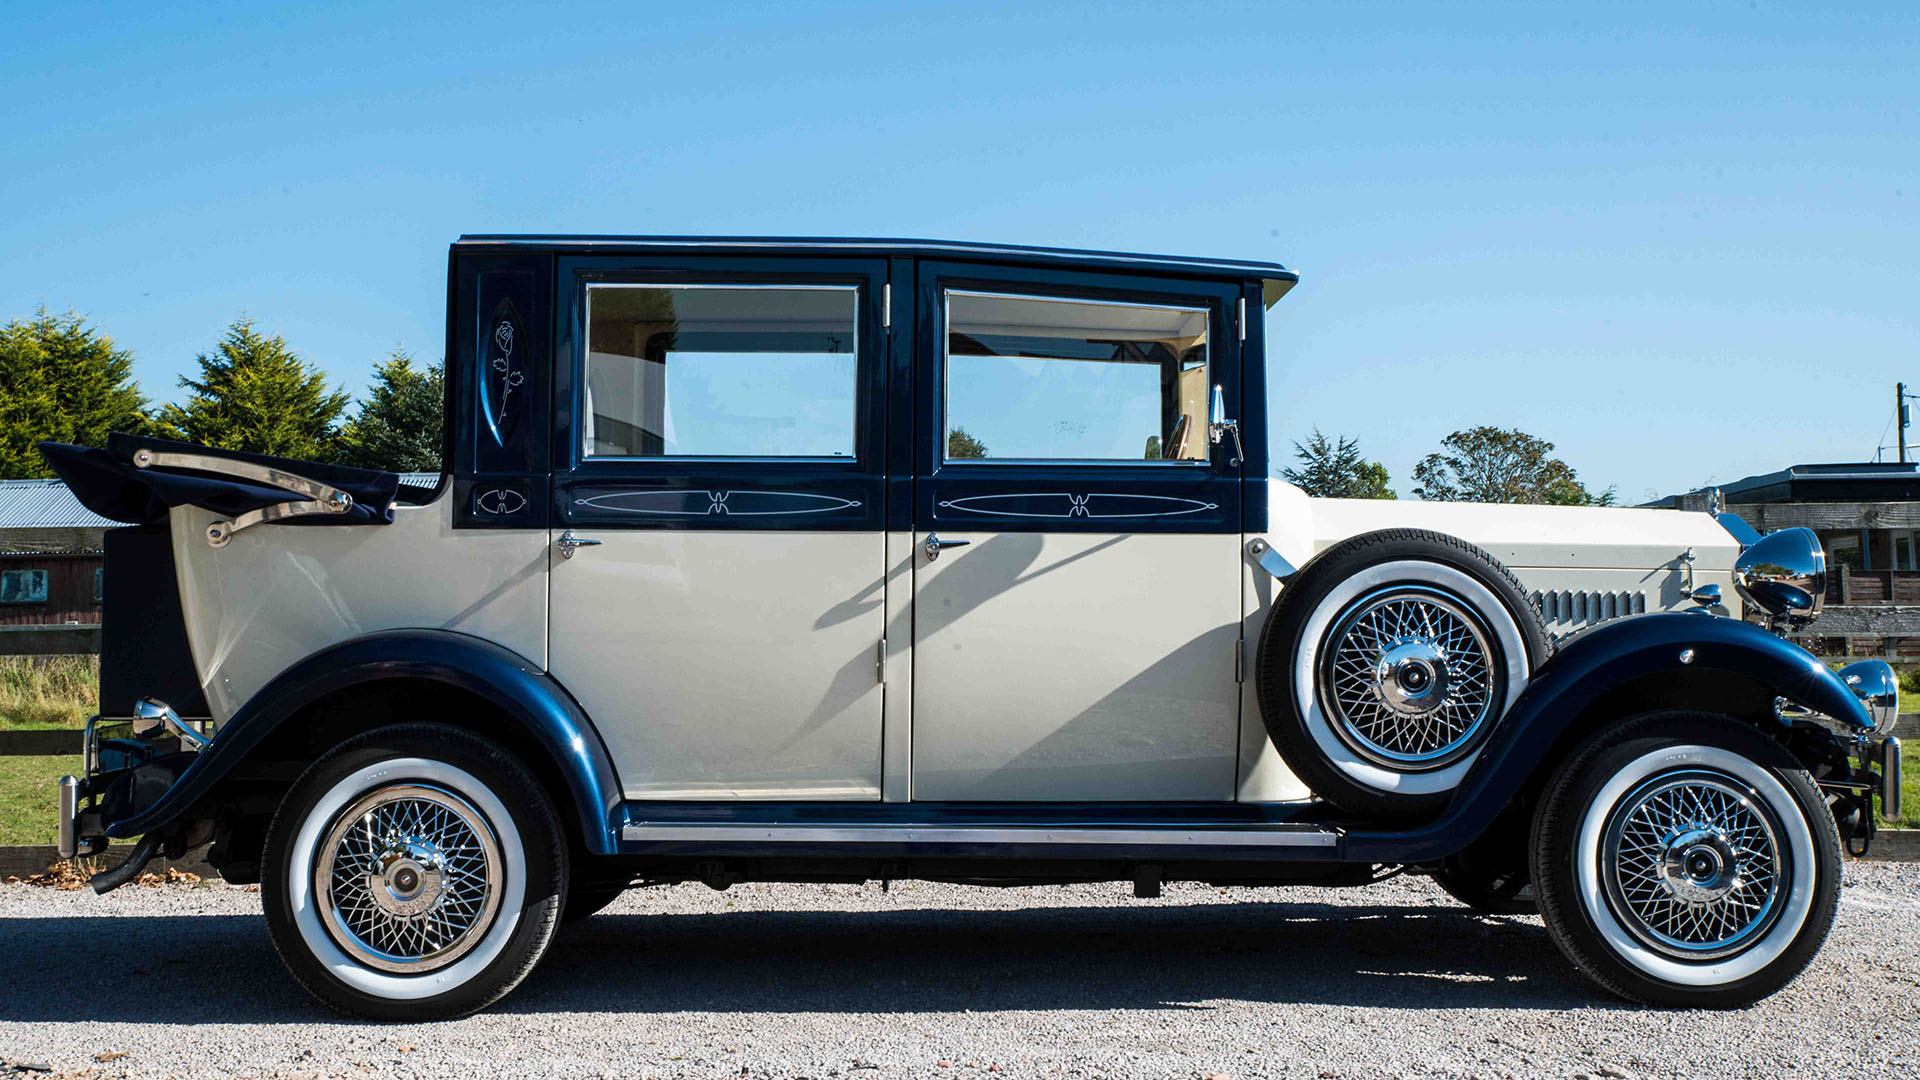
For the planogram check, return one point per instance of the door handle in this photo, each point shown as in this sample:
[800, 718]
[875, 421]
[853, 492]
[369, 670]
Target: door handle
[934, 545]
[568, 542]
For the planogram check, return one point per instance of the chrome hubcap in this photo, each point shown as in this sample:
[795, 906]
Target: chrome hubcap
[409, 877]
[1408, 678]
[1693, 864]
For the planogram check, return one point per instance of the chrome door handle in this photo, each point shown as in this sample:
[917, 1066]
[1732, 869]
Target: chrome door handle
[568, 542]
[934, 545]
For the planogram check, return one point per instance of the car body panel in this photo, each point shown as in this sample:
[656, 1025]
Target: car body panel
[728, 664]
[268, 600]
[1079, 667]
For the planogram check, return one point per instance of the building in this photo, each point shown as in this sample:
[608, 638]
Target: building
[50, 555]
[1867, 516]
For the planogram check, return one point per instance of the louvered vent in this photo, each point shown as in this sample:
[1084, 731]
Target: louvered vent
[1567, 610]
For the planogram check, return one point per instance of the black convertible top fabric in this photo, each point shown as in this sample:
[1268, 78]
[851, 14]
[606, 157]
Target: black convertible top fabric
[109, 484]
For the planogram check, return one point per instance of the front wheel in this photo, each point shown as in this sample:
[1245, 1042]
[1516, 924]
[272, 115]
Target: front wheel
[1685, 859]
[415, 872]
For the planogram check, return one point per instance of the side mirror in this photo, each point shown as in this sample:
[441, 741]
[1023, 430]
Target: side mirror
[1218, 426]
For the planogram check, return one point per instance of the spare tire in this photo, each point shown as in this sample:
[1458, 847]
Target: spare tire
[1386, 663]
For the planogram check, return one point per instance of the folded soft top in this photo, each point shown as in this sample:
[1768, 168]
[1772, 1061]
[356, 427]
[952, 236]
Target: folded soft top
[107, 482]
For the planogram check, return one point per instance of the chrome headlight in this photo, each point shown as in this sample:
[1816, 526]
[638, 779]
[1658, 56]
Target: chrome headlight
[1785, 575]
[1875, 684]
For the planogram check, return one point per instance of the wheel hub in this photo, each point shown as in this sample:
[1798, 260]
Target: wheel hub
[1408, 678]
[1693, 864]
[407, 876]
[1411, 676]
[410, 878]
[1700, 865]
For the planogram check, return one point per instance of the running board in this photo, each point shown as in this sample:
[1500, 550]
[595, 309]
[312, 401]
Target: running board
[1186, 840]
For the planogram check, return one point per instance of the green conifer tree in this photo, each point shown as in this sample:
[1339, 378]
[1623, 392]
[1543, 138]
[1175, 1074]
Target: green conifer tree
[254, 393]
[63, 380]
[398, 427]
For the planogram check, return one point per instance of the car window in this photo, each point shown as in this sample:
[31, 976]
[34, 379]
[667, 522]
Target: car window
[1032, 378]
[719, 371]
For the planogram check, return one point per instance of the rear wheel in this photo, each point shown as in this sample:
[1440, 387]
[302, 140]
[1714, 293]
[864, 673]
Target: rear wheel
[1685, 859]
[415, 872]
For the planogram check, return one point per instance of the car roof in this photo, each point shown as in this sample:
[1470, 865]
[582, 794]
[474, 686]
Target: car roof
[890, 246]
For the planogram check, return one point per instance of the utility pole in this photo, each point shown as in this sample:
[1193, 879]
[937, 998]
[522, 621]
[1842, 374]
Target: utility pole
[1900, 417]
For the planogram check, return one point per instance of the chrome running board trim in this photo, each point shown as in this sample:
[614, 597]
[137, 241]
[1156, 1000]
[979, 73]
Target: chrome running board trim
[1278, 837]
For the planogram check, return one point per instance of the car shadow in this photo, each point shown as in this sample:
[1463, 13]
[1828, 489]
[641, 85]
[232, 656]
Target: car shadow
[1166, 955]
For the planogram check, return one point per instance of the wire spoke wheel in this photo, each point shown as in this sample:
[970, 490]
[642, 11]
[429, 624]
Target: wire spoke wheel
[1409, 678]
[409, 877]
[1693, 864]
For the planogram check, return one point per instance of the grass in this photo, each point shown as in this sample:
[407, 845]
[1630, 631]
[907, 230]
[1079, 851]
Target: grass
[48, 691]
[28, 798]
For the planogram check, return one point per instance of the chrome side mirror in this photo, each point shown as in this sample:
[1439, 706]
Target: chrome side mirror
[1219, 426]
[1874, 683]
[1784, 574]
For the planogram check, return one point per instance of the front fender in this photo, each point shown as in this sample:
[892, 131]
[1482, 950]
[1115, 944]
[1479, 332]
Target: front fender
[528, 694]
[1580, 674]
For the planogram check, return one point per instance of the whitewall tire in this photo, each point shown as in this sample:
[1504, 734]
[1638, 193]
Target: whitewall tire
[1685, 859]
[414, 872]
[1386, 664]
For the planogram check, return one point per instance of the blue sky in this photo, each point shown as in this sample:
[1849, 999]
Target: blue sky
[1679, 241]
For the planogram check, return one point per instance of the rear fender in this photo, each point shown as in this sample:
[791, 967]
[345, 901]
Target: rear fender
[527, 694]
[1680, 648]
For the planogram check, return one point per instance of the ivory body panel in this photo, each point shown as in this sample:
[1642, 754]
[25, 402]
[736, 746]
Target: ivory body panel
[1077, 667]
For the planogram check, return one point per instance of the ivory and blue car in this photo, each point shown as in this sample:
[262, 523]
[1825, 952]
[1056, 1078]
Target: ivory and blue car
[843, 560]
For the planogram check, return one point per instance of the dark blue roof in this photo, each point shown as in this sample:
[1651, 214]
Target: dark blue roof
[887, 246]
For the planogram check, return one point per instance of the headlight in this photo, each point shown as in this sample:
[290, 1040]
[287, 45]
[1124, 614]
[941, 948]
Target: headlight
[1875, 684]
[1785, 575]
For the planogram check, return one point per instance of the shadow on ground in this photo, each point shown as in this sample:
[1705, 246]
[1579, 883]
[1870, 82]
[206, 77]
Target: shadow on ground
[188, 969]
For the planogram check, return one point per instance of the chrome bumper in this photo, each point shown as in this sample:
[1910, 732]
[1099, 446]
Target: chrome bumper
[69, 836]
[1890, 778]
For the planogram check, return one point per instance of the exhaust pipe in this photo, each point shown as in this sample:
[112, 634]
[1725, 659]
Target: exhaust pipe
[108, 880]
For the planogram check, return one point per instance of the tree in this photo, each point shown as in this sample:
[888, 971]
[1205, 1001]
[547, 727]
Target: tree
[63, 380]
[1496, 465]
[1334, 469]
[398, 427]
[962, 445]
[256, 394]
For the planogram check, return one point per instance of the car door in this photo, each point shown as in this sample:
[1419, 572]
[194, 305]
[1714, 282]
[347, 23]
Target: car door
[718, 481]
[1077, 579]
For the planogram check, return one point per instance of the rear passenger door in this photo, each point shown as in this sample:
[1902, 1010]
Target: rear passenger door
[719, 449]
[1077, 637]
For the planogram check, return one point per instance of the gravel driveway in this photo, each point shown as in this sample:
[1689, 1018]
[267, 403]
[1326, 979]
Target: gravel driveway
[934, 980]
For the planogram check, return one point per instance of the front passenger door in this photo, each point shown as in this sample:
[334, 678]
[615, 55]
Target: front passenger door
[1078, 640]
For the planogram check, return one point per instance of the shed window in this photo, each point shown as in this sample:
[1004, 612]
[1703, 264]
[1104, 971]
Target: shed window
[100, 585]
[23, 587]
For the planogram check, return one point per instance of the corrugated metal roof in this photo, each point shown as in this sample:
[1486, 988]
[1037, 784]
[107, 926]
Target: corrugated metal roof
[45, 504]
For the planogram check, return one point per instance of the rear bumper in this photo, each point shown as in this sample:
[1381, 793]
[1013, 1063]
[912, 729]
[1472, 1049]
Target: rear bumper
[123, 769]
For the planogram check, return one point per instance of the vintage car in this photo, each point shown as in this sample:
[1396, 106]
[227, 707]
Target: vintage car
[843, 560]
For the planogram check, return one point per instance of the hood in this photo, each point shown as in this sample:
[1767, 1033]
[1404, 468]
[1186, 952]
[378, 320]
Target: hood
[1598, 537]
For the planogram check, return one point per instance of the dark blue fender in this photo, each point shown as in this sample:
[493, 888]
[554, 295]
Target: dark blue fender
[1587, 668]
[529, 695]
